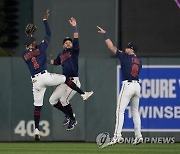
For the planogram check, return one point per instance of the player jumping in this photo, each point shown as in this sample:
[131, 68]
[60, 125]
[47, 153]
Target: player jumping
[68, 59]
[35, 58]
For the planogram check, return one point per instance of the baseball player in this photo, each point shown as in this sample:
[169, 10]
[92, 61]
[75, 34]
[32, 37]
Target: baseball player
[68, 59]
[130, 91]
[35, 58]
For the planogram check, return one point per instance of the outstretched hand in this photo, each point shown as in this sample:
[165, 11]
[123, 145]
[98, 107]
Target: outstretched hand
[72, 21]
[46, 15]
[100, 30]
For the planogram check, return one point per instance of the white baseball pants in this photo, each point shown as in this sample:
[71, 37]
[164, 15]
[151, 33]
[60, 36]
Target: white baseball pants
[130, 92]
[63, 93]
[41, 82]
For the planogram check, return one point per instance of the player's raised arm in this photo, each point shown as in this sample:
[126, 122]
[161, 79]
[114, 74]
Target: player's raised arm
[108, 41]
[47, 29]
[73, 23]
[46, 15]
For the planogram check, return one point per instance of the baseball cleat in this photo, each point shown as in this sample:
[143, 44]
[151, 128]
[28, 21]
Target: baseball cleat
[66, 121]
[71, 124]
[138, 141]
[115, 140]
[86, 95]
[36, 135]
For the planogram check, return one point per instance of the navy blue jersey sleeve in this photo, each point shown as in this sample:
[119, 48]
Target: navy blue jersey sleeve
[57, 61]
[76, 45]
[44, 44]
[48, 31]
[119, 54]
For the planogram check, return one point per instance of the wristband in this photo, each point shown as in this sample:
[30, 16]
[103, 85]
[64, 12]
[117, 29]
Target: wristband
[106, 36]
[75, 29]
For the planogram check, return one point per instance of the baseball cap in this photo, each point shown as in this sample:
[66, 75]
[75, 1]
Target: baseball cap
[67, 39]
[132, 46]
[29, 40]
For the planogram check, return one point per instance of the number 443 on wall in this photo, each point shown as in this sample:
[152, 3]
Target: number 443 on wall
[24, 128]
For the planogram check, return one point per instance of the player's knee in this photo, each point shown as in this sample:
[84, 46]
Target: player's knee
[52, 101]
[122, 109]
[134, 112]
[64, 102]
[38, 102]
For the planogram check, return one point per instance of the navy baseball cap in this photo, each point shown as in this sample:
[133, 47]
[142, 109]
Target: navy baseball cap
[132, 46]
[67, 39]
[29, 40]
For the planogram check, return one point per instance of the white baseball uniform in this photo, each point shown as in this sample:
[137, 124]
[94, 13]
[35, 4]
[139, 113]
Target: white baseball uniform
[63, 93]
[130, 92]
[43, 80]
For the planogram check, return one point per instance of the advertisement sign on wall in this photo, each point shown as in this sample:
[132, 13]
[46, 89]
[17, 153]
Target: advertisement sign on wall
[160, 99]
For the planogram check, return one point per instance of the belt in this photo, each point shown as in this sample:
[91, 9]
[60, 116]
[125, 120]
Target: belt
[72, 78]
[132, 81]
[38, 74]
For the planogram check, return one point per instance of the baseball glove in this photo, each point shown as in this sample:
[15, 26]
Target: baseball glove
[30, 29]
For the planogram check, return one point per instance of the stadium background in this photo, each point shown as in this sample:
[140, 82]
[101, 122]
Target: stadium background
[152, 24]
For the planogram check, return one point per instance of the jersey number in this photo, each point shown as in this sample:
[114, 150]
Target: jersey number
[36, 65]
[134, 71]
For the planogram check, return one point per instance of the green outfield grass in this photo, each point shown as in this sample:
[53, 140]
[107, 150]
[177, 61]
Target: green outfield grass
[86, 148]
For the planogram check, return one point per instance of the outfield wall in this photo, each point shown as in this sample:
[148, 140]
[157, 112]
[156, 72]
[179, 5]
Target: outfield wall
[94, 116]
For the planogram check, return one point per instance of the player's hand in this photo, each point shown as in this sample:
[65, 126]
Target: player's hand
[46, 15]
[100, 30]
[72, 21]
